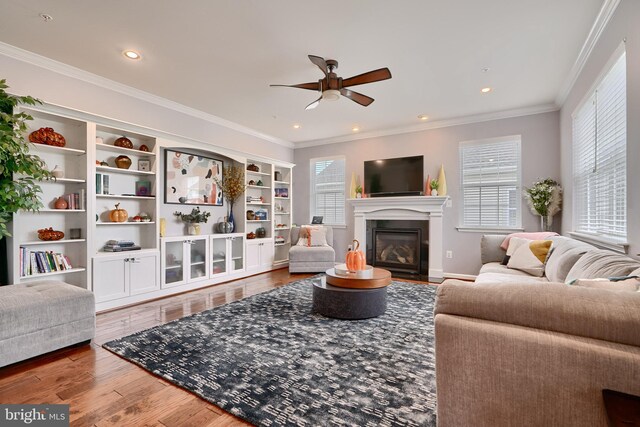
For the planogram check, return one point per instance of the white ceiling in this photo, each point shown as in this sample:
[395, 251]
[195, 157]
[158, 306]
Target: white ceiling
[220, 56]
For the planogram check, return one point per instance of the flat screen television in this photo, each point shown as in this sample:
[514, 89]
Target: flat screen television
[402, 176]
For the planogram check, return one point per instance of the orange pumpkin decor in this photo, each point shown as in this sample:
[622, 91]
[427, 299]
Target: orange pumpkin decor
[118, 215]
[356, 260]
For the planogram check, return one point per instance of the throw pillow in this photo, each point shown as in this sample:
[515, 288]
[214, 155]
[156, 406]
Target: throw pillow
[529, 236]
[613, 283]
[312, 236]
[530, 256]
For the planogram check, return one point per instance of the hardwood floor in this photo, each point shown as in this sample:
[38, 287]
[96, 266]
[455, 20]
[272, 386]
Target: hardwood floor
[102, 389]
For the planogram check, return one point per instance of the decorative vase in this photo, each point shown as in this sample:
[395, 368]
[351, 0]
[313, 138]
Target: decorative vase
[230, 219]
[61, 203]
[428, 186]
[99, 140]
[358, 195]
[352, 188]
[123, 162]
[194, 229]
[434, 192]
[57, 172]
[225, 226]
[546, 222]
[442, 182]
[123, 142]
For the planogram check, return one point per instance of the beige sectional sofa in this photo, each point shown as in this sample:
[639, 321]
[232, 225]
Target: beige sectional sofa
[517, 350]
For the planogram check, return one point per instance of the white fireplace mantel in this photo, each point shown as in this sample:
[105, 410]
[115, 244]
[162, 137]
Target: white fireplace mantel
[422, 208]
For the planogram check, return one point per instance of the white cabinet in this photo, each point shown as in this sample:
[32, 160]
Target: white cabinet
[124, 274]
[227, 254]
[259, 254]
[184, 260]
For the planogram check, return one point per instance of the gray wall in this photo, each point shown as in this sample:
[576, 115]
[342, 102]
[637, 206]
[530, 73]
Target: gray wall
[624, 24]
[28, 79]
[540, 158]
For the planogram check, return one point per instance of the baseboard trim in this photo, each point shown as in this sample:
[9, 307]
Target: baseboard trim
[459, 276]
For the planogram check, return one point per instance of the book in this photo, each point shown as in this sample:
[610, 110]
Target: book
[105, 184]
[98, 183]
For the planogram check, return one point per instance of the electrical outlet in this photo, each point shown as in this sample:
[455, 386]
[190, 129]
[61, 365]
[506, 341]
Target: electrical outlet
[449, 254]
[449, 203]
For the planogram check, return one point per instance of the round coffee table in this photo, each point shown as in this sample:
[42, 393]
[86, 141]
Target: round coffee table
[350, 297]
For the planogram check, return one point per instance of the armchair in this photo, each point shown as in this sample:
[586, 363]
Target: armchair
[311, 259]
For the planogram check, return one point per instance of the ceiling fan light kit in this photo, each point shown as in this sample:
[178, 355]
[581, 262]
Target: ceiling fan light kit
[332, 86]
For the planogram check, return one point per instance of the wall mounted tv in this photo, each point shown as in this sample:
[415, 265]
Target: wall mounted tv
[402, 176]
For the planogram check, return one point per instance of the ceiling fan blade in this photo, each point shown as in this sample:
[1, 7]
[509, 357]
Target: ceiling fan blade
[320, 62]
[356, 97]
[309, 86]
[313, 105]
[370, 77]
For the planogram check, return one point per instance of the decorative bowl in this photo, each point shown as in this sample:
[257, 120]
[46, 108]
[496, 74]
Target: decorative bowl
[49, 234]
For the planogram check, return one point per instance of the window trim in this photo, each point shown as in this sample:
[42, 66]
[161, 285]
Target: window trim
[478, 229]
[608, 242]
[312, 162]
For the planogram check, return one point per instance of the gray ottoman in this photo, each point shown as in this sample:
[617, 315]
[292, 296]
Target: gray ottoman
[39, 317]
[348, 303]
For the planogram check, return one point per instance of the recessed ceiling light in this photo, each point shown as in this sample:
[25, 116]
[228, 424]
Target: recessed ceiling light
[486, 90]
[131, 54]
[423, 117]
[296, 126]
[355, 129]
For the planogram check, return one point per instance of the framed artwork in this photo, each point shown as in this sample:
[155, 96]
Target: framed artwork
[189, 179]
[143, 188]
[144, 165]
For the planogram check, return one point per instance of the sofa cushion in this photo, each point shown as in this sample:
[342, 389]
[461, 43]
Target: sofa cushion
[602, 263]
[313, 253]
[565, 252]
[523, 278]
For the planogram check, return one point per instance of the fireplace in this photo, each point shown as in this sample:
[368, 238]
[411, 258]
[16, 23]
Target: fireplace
[428, 210]
[399, 246]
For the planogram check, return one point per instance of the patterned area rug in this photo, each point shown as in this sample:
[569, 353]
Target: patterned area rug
[271, 361]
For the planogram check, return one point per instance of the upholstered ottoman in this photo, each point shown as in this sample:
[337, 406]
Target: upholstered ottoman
[39, 317]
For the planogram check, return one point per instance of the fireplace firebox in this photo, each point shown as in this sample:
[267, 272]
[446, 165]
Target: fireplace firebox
[399, 246]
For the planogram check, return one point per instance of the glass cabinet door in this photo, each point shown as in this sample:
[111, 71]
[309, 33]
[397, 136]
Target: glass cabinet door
[237, 249]
[218, 256]
[174, 271]
[198, 258]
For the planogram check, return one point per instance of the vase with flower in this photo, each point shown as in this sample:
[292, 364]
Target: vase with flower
[544, 198]
[233, 186]
[193, 220]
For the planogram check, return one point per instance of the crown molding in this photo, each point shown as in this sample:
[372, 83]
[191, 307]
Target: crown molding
[602, 20]
[94, 79]
[477, 118]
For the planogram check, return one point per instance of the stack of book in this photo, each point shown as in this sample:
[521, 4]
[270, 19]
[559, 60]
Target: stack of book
[40, 262]
[254, 199]
[75, 200]
[120, 246]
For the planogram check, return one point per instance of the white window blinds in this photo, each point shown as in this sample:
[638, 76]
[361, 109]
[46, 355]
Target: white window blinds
[490, 182]
[328, 189]
[599, 158]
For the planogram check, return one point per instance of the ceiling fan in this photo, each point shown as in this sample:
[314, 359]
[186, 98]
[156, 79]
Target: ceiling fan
[332, 86]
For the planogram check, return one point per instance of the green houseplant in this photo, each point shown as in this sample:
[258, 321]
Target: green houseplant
[194, 219]
[434, 184]
[19, 170]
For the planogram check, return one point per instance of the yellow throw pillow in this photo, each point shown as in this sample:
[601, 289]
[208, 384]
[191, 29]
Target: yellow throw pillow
[530, 257]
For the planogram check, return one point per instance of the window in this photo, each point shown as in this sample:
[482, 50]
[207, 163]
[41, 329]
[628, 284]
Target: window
[490, 183]
[599, 158]
[328, 189]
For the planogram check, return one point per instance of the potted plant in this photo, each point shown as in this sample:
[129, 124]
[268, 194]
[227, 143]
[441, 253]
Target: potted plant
[19, 170]
[434, 184]
[358, 191]
[194, 219]
[544, 198]
[233, 186]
